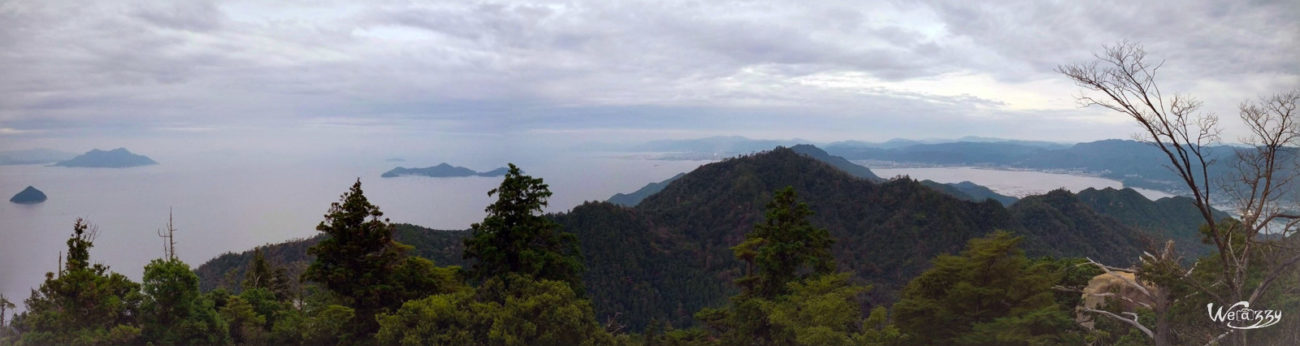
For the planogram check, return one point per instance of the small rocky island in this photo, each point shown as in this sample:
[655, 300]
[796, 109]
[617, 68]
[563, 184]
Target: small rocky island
[30, 195]
[443, 170]
[116, 158]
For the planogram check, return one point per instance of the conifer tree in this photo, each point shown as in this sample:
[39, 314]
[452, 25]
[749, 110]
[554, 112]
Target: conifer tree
[82, 303]
[516, 238]
[358, 258]
[784, 248]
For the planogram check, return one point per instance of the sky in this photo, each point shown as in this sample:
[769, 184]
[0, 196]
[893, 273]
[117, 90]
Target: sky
[296, 74]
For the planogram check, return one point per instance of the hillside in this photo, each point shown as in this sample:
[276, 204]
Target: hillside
[1167, 218]
[670, 255]
[633, 198]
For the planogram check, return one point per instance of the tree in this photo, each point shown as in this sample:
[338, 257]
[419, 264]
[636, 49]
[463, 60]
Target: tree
[509, 310]
[1126, 83]
[82, 303]
[989, 294]
[5, 306]
[515, 238]
[783, 248]
[261, 274]
[173, 312]
[785, 253]
[359, 260]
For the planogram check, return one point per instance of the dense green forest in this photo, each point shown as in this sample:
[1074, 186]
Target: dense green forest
[775, 247]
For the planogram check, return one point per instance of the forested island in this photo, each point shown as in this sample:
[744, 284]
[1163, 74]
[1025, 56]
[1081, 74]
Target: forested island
[442, 170]
[116, 158]
[29, 195]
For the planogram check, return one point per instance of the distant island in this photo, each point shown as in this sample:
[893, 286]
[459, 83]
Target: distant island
[443, 170]
[116, 158]
[30, 195]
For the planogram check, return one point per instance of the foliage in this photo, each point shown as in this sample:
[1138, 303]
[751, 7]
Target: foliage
[82, 303]
[361, 263]
[510, 310]
[515, 238]
[261, 274]
[784, 248]
[173, 312]
[990, 294]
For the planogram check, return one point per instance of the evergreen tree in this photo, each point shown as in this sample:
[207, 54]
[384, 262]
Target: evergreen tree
[261, 274]
[784, 248]
[515, 238]
[789, 280]
[359, 259]
[173, 312]
[82, 303]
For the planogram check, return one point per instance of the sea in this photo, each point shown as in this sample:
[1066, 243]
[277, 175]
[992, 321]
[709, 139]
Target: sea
[220, 204]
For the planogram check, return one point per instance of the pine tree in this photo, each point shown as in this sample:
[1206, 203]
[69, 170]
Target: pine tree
[358, 257]
[784, 248]
[515, 238]
[82, 303]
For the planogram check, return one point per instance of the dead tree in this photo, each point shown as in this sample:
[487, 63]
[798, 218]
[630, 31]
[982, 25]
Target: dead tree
[1122, 80]
[169, 238]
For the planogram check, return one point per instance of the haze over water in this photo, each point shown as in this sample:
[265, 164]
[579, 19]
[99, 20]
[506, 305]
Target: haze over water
[219, 206]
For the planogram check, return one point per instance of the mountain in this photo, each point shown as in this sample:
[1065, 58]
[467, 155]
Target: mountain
[33, 156]
[1136, 164]
[116, 158]
[443, 170]
[836, 161]
[1167, 218]
[635, 197]
[30, 195]
[1058, 224]
[670, 255]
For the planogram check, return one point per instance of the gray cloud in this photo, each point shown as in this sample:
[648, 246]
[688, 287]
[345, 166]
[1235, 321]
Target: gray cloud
[730, 67]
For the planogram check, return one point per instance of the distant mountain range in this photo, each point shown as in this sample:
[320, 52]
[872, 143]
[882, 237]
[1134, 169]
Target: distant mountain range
[116, 158]
[33, 156]
[670, 255]
[1136, 164]
[443, 170]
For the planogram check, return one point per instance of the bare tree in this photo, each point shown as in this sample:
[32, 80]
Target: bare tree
[169, 238]
[1122, 80]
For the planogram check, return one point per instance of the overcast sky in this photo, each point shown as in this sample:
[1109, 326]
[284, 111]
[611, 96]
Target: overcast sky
[120, 71]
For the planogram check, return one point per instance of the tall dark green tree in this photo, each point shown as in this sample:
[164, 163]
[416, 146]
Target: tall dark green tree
[784, 248]
[516, 238]
[361, 263]
[82, 303]
[785, 253]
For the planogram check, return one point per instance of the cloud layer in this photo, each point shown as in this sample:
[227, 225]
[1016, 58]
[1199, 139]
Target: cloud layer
[830, 70]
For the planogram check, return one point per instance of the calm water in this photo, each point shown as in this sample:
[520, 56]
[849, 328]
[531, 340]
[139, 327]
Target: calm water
[1010, 182]
[219, 206]
[222, 206]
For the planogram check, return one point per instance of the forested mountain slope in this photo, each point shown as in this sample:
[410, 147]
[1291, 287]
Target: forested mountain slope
[671, 254]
